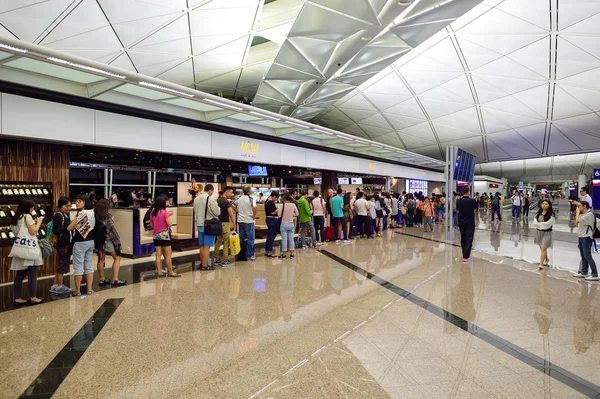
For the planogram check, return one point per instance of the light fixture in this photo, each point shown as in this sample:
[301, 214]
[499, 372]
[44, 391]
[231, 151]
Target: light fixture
[323, 131]
[85, 67]
[163, 88]
[12, 48]
[220, 104]
[296, 124]
[264, 116]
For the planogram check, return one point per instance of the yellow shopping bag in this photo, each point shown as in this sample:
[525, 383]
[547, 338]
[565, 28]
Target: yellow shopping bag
[234, 243]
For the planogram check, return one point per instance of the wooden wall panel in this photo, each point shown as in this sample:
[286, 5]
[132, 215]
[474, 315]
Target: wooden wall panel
[34, 162]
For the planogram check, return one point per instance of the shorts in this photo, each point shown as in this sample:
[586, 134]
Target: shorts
[346, 216]
[63, 265]
[163, 238]
[379, 213]
[82, 257]
[109, 247]
[205, 241]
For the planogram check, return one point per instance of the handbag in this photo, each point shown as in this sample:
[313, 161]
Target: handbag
[212, 227]
[234, 243]
[25, 245]
[46, 247]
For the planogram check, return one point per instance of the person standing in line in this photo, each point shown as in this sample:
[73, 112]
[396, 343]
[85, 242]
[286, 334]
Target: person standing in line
[111, 244]
[24, 267]
[526, 205]
[395, 210]
[329, 211]
[467, 208]
[319, 214]
[287, 213]
[161, 226]
[495, 201]
[586, 222]
[543, 222]
[305, 221]
[93, 196]
[246, 215]
[348, 212]
[337, 209]
[361, 205]
[373, 214]
[428, 215]
[516, 205]
[83, 243]
[227, 219]
[206, 207]
[260, 199]
[272, 223]
[378, 214]
[60, 222]
[410, 210]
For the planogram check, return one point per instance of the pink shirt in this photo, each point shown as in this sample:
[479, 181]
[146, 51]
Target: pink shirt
[159, 222]
[318, 206]
[289, 211]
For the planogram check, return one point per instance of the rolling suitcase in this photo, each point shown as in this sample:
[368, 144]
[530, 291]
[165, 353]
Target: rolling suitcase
[241, 257]
[329, 230]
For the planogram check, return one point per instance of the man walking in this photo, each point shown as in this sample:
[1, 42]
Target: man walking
[467, 209]
[305, 220]
[246, 215]
[227, 218]
[516, 205]
[495, 200]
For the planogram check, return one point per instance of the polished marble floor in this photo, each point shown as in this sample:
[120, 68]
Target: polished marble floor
[400, 317]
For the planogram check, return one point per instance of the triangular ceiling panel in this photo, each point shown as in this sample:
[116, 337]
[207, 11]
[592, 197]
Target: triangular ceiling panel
[506, 141]
[587, 123]
[495, 152]
[578, 11]
[475, 55]
[466, 120]
[585, 26]
[496, 22]
[573, 60]
[559, 143]
[589, 44]
[589, 79]
[535, 99]
[447, 133]
[357, 114]
[177, 29]
[590, 98]
[513, 120]
[402, 122]
[132, 31]
[491, 123]
[408, 108]
[534, 135]
[182, 74]
[29, 22]
[506, 67]
[536, 12]
[106, 38]
[376, 120]
[566, 106]
[360, 9]
[385, 101]
[422, 130]
[86, 17]
[389, 84]
[124, 62]
[535, 57]
[438, 108]
[317, 52]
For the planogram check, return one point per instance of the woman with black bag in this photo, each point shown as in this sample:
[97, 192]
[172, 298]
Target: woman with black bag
[60, 223]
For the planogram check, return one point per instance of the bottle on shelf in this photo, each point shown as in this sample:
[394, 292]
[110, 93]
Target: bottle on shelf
[9, 191]
[21, 191]
[4, 190]
[11, 212]
[41, 211]
[39, 191]
[42, 232]
[34, 214]
[11, 235]
[2, 214]
[3, 235]
[27, 191]
[45, 191]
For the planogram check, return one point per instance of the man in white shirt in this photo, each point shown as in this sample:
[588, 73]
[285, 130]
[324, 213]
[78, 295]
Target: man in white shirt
[516, 205]
[246, 215]
[361, 207]
[586, 197]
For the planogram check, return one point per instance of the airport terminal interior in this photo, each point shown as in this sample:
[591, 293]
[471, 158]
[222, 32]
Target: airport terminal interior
[299, 199]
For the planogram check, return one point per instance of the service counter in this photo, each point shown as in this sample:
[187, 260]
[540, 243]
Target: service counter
[136, 242]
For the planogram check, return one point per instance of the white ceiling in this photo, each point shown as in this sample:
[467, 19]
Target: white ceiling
[507, 80]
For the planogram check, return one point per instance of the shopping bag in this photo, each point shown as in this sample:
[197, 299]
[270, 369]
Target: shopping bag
[234, 243]
[25, 245]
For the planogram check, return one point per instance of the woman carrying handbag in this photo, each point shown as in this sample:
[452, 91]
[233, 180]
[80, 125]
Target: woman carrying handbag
[26, 254]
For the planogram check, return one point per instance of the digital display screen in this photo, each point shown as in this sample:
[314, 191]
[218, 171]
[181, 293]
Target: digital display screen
[343, 180]
[493, 186]
[317, 180]
[464, 169]
[257, 170]
[357, 180]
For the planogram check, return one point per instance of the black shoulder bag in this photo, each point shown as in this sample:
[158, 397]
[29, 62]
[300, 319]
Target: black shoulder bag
[212, 227]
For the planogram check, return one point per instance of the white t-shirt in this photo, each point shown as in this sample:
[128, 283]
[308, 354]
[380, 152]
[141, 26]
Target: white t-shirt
[318, 206]
[588, 199]
[517, 200]
[360, 206]
[373, 209]
[245, 207]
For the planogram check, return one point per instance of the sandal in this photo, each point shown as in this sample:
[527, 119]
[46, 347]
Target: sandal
[20, 303]
[118, 283]
[292, 256]
[103, 282]
[270, 256]
[162, 275]
[33, 303]
[89, 292]
[282, 256]
[173, 275]
[203, 268]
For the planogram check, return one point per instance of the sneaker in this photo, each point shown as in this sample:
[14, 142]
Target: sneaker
[579, 275]
[226, 264]
[252, 258]
[337, 241]
[218, 262]
[593, 278]
[119, 283]
[54, 287]
[76, 293]
[62, 289]
[347, 242]
[104, 282]
[466, 260]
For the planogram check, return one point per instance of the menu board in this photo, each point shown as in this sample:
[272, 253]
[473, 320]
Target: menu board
[343, 180]
[357, 180]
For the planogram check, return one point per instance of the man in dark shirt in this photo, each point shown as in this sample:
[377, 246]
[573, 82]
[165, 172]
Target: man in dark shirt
[467, 208]
[227, 218]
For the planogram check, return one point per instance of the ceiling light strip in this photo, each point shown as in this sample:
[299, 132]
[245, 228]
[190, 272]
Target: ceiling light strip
[12, 48]
[85, 67]
[163, 88]
[264, 116]
[296, 124]
[323, 131]
[220, 104]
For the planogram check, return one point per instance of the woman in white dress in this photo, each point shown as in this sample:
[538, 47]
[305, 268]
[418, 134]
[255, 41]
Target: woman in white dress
[24, 267]
[543, 222]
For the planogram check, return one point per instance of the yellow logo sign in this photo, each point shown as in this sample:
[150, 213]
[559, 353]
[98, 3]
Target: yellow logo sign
[372, 166]
[249, 148]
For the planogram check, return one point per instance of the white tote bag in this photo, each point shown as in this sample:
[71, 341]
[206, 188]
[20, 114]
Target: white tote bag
[25, 245]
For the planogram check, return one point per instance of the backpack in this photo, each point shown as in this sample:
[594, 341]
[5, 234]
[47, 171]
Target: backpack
[50, 236]
[596, 232]
[411, 205]
[147, 222]
[494, 200]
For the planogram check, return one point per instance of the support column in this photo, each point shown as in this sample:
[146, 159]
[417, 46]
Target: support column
[582, 180]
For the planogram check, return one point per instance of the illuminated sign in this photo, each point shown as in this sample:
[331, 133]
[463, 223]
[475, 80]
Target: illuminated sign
[493, 185]
[249, 149]
[372, 165]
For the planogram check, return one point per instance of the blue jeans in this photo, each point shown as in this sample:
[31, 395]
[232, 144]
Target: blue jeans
[496, 209]
[336, 223]
[311, 230]
[247, 232]
[287, 236]
[585, 250]
[272, 233]
[82, 258]
[516, 211]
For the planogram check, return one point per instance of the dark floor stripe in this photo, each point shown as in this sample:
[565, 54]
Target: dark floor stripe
[577, 383]
[46, 384]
